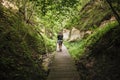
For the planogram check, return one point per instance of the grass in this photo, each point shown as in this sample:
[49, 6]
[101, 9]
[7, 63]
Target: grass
[21, 47]
[79, 48]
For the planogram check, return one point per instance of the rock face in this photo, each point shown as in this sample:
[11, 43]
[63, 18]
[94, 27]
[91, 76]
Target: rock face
[66, 34]
[75, 34]
[72, 35]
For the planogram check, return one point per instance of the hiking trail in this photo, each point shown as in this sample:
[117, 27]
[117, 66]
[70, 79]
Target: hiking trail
[63, 67]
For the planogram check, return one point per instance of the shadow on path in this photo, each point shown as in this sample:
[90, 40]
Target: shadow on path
[63, 67]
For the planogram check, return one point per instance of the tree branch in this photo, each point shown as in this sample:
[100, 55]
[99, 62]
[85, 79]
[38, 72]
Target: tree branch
[113, 10]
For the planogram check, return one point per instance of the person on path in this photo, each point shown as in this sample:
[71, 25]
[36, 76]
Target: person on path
[60, 40]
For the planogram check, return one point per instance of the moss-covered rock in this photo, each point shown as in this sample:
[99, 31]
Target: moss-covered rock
[21, 48]
[102, 61]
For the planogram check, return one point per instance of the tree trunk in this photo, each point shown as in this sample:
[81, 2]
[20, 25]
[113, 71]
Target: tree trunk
[113, 10]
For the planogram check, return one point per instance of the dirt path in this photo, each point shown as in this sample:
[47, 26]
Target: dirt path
[63, 67]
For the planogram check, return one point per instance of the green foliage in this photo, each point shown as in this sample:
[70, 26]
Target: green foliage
[21, 49]
[92, 14]
[90, 17]
[100, 32]
[103, 58]
[79, 48]
[29, 32]
[75, 49]
[55, 15]
[58, 5]
[50, 44]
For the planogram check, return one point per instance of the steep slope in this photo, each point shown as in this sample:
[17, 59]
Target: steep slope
[21, 48]
[102, 61]
[97, 54]
[92, 14]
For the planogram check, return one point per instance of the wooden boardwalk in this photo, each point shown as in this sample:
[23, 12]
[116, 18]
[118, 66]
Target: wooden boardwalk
[63, 67]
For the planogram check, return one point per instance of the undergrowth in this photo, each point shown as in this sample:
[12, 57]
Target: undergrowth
[21, 48]
[78, 48]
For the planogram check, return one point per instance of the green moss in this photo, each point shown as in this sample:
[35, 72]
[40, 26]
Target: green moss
[21, 49]
[92, 15]
[79, 48]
